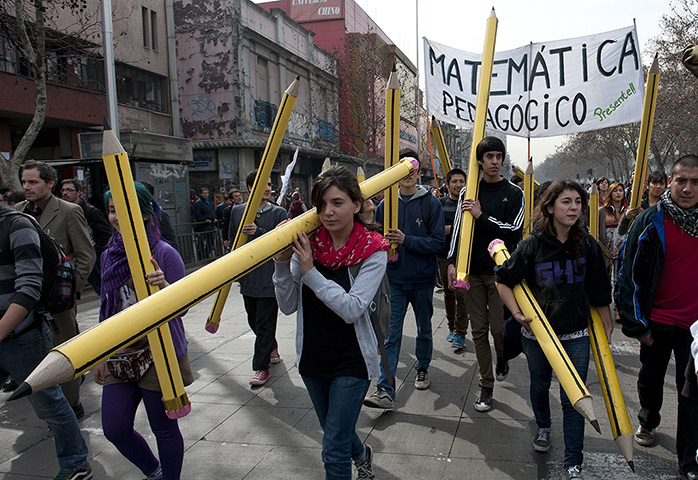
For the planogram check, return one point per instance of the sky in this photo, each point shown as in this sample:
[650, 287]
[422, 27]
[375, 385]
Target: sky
[461, 25]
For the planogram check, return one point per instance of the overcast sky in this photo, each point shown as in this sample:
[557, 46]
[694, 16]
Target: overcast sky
[461, 25]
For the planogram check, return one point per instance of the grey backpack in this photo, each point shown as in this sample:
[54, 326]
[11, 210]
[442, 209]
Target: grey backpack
[379, 310]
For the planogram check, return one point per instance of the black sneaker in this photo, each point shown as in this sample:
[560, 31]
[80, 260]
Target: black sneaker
[574, 472]
[542, 441]
[421, 381]
[10, 385]
[484, 403]
[644, 436]
[364, 469]
[85, 473]
[502, 369]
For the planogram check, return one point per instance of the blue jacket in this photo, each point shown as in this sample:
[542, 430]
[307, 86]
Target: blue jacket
[643, 260]
[417, 265]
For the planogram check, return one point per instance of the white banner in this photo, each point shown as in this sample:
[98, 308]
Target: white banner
[542, 89]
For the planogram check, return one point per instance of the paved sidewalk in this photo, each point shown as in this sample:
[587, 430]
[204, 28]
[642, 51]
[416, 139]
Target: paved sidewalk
[271, 433]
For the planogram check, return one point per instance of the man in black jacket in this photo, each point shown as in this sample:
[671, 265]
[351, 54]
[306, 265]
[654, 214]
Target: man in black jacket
[205, 218]
[97, 226]
[498, 213]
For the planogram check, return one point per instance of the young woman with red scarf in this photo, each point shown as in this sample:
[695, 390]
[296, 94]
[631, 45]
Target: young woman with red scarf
[336, 347]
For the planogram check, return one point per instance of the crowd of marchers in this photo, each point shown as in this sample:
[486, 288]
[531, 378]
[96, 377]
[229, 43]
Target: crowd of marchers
[639, 273]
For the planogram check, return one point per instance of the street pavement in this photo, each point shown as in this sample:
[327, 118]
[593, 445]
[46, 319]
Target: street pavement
[271, 432]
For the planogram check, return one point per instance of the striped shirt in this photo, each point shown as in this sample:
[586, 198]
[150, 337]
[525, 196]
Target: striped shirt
[20, 266]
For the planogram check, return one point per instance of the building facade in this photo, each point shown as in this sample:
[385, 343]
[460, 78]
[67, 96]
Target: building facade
[365, 57]
[76, 99]
[235, 60]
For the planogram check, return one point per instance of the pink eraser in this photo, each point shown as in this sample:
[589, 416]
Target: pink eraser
[415, 163]
[493, 244]
[393, 258]
[179, 413]
[211, 328]
[461, 285]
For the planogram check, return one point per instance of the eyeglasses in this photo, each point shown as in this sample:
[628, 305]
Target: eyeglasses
[68, 190]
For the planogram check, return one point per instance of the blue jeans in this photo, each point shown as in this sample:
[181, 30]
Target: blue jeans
[541, 372]
[337, 404]
[18, 357]
[422, 300]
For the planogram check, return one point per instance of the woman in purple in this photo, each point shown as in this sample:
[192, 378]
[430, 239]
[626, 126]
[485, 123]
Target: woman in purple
[124, 391]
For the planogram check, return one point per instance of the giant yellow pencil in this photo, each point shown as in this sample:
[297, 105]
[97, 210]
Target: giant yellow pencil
[610, 386]
[528, 199]
[467, 227]
[138, 254]
[522, 175]
[392, 153]
[326, 164]
[643, 146]
[570, 380]
[82, 352]
[260, 183]
[594, 212]
[440, 145]
[360, 175]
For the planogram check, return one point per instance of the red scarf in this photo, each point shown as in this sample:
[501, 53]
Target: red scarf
[362, 244]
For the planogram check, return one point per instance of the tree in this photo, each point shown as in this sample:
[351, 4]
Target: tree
[363, 67]
[27, 24]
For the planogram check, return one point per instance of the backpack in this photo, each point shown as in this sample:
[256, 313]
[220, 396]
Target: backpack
[58, 285]
[379, 311]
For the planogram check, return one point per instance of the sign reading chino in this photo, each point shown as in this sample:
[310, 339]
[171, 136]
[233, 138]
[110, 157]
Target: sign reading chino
[314, 10]
[542, 89]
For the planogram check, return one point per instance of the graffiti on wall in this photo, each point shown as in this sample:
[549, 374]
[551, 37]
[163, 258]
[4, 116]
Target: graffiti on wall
[264, 114]
[161, 172]
[325, 131]
[202, 108]
[299, 125]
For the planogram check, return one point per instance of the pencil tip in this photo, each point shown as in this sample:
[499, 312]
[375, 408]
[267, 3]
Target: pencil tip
[22, 391]
[107, 125]
[631, 464]
[595, 424]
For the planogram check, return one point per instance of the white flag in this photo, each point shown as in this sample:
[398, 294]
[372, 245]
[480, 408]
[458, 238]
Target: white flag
[287, 176]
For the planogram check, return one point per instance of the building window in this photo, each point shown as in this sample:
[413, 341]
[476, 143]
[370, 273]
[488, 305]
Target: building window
[8, 56]
[154, 29]
[140, 88]
[262, 79]
[145, 20]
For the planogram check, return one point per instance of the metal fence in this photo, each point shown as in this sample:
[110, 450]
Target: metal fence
[199, 247]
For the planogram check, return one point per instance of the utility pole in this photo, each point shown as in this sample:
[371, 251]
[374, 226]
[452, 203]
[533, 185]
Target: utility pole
[109, 69]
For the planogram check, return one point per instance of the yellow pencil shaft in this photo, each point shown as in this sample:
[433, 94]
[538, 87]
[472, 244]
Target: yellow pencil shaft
[392, 153]
[528, 205]
[138, 254]
[608, 377]
[103, 340]
[594, 215]
[483, 94]
[441, 147]
[266, 165]
[564, 369]
[643, 146]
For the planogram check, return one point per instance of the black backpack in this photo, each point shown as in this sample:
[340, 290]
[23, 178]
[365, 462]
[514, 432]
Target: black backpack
[379, 310]
[58, 284]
